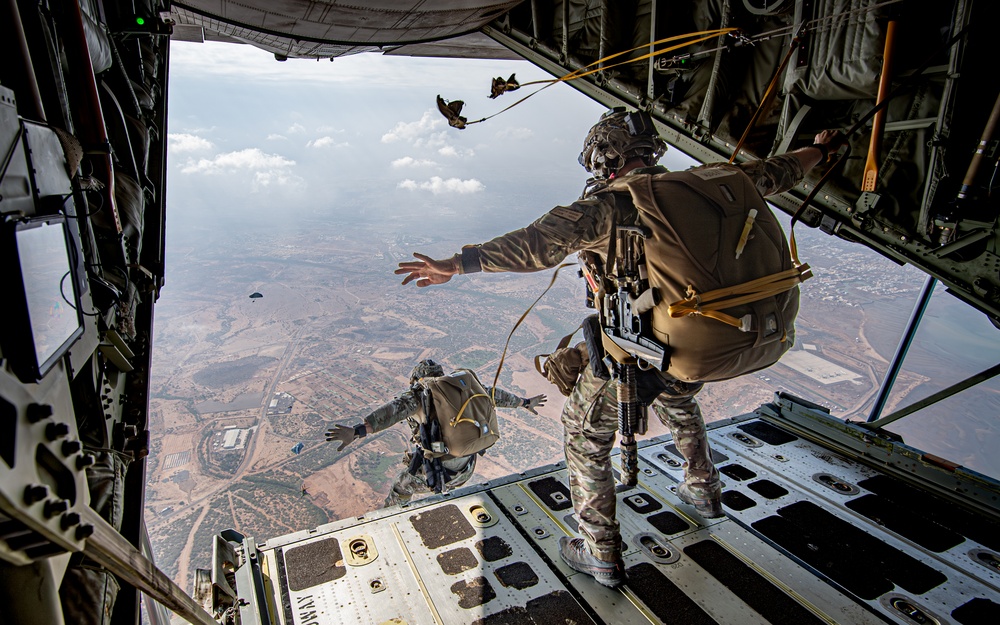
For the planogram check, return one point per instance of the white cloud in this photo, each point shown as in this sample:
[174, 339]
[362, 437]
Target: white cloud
[264, 179]
[450, 150]
[409, 161]
[326, 142]
[250, 159]
[183, 142]
[276, 137]
[432, 141]
[414, 131]
[515, 133]
[264, 170]
[296, 128]
[437, 185]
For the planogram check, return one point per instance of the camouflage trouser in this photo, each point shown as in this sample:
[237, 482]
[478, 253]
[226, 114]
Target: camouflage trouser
[590, 419]
[407, 485]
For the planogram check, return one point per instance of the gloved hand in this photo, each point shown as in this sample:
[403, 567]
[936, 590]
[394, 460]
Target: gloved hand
[530, 403]
[345, 435]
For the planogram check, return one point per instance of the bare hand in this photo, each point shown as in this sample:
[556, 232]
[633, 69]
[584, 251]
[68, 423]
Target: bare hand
[534, 402]
[427, 271]
[341, 433]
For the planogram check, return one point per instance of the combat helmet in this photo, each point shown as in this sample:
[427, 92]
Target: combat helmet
[618, 137]
[426, 368]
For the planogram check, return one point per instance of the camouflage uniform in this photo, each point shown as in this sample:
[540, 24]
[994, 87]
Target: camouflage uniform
[404, 408]
[590, 421]
[590, 413]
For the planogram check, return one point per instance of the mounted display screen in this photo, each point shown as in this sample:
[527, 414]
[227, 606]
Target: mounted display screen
[43, 293]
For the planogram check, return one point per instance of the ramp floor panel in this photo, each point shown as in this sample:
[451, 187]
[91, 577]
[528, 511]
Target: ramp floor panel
[809, 537]
[817, 507]
[461, 561]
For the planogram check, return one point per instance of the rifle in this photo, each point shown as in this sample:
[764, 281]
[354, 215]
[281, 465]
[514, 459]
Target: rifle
[631, 421]
[626, 324]
[430, 439]
[434, 475]
[625, 317]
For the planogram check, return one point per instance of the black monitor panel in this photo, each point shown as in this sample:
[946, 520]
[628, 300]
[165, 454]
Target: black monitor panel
[43, 304]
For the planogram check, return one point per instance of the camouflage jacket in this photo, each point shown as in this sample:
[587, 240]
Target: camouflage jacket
[407, 405]
[586, 224]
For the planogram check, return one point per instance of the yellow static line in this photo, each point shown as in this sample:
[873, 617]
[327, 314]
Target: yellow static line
[774, 580]
[416, 574]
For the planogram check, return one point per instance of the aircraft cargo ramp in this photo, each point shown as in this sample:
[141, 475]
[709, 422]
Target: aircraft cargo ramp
[821, 526]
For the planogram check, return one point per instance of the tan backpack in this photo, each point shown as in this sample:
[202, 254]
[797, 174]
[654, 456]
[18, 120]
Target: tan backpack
[727, 304]
[464, 412]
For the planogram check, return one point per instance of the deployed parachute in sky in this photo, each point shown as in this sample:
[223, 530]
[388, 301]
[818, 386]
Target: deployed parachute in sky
[298, 448]
[256, 295]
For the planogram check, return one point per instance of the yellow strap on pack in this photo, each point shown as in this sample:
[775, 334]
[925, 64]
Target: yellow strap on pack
[458, 418]
[709, 304]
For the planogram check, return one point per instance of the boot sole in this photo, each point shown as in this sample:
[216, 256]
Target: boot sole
[602, 579]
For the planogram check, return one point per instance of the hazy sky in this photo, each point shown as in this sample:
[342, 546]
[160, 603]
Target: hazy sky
[250, 136]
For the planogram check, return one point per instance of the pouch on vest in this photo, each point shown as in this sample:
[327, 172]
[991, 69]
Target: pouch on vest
[766, 322]
[563, 366]
[464, 413]
[593, 337]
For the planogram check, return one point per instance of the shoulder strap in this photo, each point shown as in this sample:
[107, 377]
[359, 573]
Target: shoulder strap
[620, 185]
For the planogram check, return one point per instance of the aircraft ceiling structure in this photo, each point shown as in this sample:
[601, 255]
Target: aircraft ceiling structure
[321, 30]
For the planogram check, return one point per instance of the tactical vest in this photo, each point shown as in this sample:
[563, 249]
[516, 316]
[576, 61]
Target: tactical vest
[696, 218]
[465, 416]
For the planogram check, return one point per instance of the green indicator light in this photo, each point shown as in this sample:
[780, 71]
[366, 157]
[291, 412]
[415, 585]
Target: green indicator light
[140, 21]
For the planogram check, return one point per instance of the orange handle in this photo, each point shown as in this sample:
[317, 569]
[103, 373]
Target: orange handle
[884, 83]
